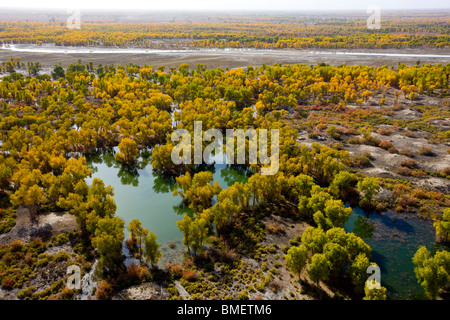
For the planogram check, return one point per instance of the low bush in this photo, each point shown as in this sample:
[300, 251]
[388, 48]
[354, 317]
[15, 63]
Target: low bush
[242, 295]
[411, 164]
[404, 171]
[425, 151]
[406, 152]
[189, 275]
[446, 171]
[386, 145]
[7, 284]
[104, 290]
[275, 229]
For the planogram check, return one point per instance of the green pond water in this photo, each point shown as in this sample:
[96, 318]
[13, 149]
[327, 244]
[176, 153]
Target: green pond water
[142, 194]
[394, 239]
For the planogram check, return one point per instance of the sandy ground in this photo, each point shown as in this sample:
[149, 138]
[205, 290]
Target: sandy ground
[287, 281]
[144, 291]
[235, 58]
[45, 226]
[384, 163]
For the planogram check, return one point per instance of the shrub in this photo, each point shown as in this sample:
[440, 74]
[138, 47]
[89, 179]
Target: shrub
[188, 263]
[133, 274]
[16, 246]
[312, 135]
[242, 295]
[425, 151]
[381, 206]
[407, 200]
[7, 284]
[420, 194]
[361, 160]
[392, 150]
[29, 260]
[175, 269]
[372, 141]
[67, 294]
[57, 286]
[60, 239]
[406, 152]
[337, 146]
[334, 133]
[397, 106]
[274, 228]
[26, 293]
[189, 275]
[410, 134]
[272, 249]
[411, 164]
[385, 144]
[7, 224]
[131, 244]
[104, 290]
[264, 266]
[384, 131]
[355, 140]
[446, 171]
[228, 256]
[404, 171]
[418, 173]
[42, 262]
[44, 294]
[274, 285]
[295, 241]
[367, 154]
[61, 256]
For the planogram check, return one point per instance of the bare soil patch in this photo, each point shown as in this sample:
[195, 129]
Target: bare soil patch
[44, 226]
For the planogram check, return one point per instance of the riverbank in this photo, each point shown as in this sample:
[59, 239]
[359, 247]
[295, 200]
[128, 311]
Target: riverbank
[48, 55]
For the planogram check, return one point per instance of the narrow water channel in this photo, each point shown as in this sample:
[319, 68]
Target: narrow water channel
[394, 239]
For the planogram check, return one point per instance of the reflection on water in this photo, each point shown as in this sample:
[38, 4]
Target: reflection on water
[141, 194]
[394, 239]
[364, 228]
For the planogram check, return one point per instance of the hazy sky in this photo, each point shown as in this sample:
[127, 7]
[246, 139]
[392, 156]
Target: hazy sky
[230, 4]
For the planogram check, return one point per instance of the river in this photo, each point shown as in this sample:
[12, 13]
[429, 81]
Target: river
[207, 51]
[49, 54]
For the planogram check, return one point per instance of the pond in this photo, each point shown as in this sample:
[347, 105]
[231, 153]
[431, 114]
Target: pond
[394, 239]
[142, 194]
